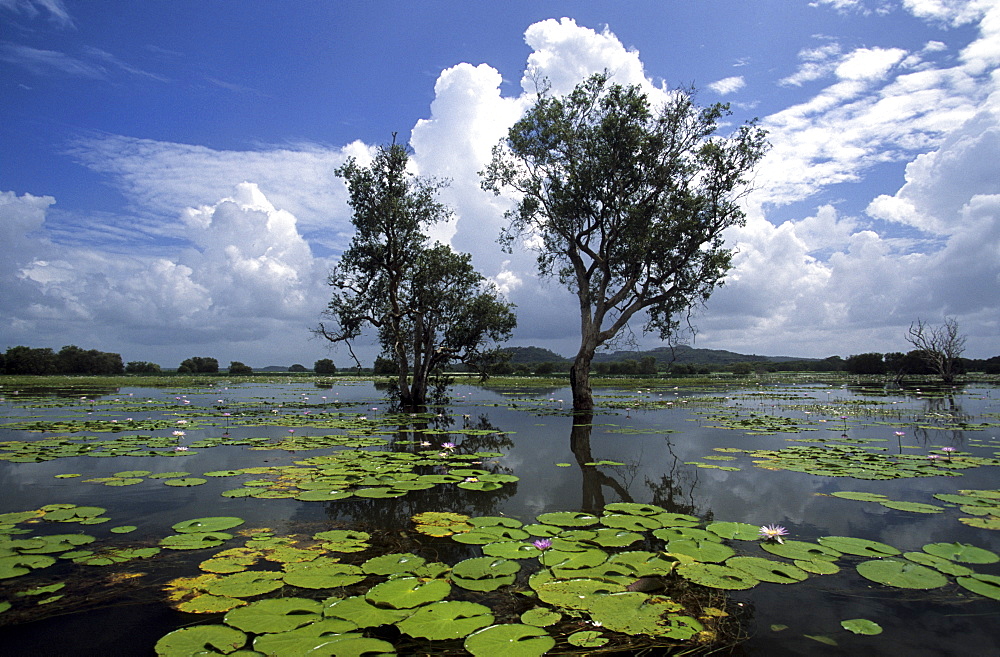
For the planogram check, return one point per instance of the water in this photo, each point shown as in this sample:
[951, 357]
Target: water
[654, 436]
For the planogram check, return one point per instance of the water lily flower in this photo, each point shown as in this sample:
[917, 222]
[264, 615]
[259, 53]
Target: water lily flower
[948, 449]
[178, 433]
[932, 457]
[471, 480]
[773, 533]
[180, 448]
[543, 544]
[448, 445]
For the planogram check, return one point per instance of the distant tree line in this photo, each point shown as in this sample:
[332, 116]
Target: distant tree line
[68, 360]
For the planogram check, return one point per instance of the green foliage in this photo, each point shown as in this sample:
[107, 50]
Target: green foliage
[199, 365]
[324, 366]
[238, 368]
[629, 203]
[428, 305]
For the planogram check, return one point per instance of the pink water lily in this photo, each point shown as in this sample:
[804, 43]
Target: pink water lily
[772, 533]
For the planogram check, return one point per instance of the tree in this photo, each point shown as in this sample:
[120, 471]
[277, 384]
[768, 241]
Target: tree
[628, 204]
[427, 303]
[238, 368]
[141, 367]
[324, 366]
[940, 346]
[199, 365]
[870, 363]
[298, 367]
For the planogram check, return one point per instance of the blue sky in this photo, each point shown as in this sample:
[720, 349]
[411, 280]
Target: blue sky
[167, 187]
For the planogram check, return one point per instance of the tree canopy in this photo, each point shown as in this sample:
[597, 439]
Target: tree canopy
[626, 202]
[427, 303]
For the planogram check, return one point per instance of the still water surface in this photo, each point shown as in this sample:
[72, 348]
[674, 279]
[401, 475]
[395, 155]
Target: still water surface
[656, 437]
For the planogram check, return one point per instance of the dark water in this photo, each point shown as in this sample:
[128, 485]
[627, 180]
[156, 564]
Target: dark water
[655, 433]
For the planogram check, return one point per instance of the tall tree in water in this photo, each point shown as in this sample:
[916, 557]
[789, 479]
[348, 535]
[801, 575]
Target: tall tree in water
[427, 303]
[626, 202]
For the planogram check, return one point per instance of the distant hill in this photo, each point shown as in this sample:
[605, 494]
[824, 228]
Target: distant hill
[664, 356]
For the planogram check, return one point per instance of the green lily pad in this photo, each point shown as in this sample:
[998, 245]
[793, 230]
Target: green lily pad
[206, 603]
[634, 508]
[511, 550]
[861, 626]
[717, 576]
[858, 546]
[194, 541]
[362, 613]
[446, 620]
[484, 573]
[123, 529]
[901, 574]
[393, 564]
[211, 524]
[275, 615]
[408, 592]
[741, 531]
[913, 507]
[246, 584]
[74, 514]
[587, 639]
[804, 550]
[946, 566]
[962, 552]
[709, 551]
[638, 613]
[185, 481]
[568, 519]
[15, 566]
[768, 571]
[511, 639]
[340, 540]
[573, 593]
[304, 641]
[204, 639]
[322, 574]
[861, 497]
[986, 585]
[541, 617]
[817, 566]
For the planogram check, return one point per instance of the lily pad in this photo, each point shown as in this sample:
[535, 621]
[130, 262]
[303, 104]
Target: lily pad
[211, 524]
[717, 576]
[484, 573]
[768, 571]
[962, 552]
[741, 531]
[541, 617]
[362, 613]
[587, 639]
[568, 519]
[246, 584]
[322, 574]
[792, 549]
[275, 615]
[511, 639]
[861, 626]
[408, 592]
[194, 541]
[987, 585]
[393, 564]
[858, 546]
[446, 620]
[200, 639]
[901, 574]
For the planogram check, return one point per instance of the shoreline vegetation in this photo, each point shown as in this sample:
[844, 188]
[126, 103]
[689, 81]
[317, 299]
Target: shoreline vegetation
[10, 382]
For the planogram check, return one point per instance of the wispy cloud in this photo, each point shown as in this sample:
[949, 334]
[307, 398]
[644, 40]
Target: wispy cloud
[728, 85]
[49, 62]
[54, 10]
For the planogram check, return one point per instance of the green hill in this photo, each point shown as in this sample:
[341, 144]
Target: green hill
[683, 355]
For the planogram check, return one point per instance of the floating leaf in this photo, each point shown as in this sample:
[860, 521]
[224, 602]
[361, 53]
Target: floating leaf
[568, 519]
[207, 603]
[185, 481]
[200, 639]
[638, 613]
[211, 524]
[362, 613]
[246, 584]
[573, 593]
[946, 566]
[408, 592]
[861, 497]
[484, 573]
[987, 585]
[15, 566]
[194, 541]
[321, 639]
[913, 507]
[717, 576]
[322, 574]
[735, 530]
[275, 615]
[446, 620]
[962, 552]
[861, 626]
[768, 571]
[858, 546]
[901, 574]
[804, 550]
[393, 564]
[511, 639]
[541, 617]
[587, 639]
[701, 550]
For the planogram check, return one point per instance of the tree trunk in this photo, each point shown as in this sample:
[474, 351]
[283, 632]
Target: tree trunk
[579, 381]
